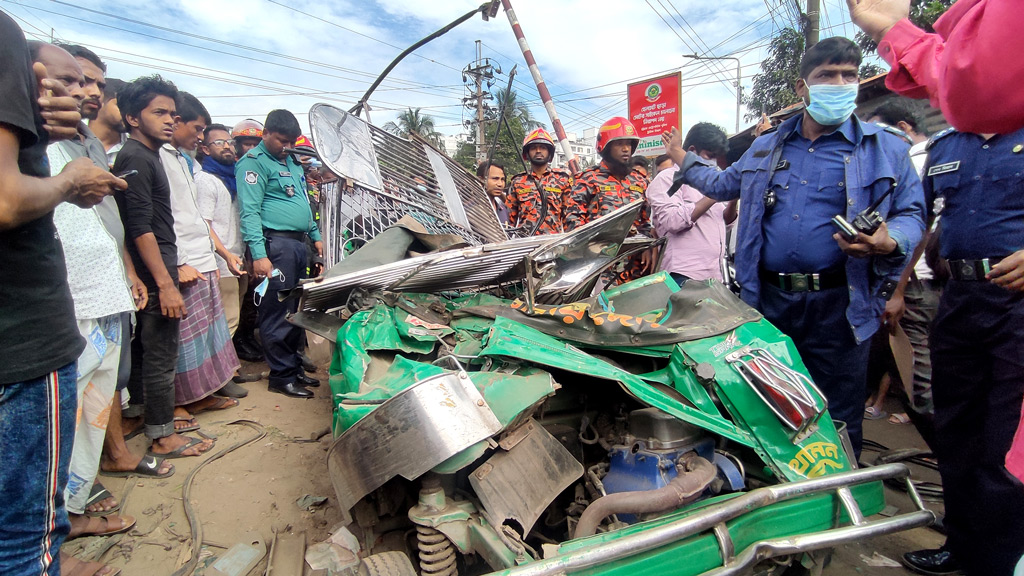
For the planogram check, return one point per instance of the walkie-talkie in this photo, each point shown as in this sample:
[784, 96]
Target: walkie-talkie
[867, 221]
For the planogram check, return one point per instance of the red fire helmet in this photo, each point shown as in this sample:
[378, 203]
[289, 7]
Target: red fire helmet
[539, 136]
[247, 128]
[617, 128]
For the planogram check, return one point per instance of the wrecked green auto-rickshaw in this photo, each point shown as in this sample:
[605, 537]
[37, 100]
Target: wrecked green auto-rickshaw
[495, 412]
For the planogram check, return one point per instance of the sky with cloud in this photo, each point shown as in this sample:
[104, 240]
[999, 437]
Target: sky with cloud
[243, 58]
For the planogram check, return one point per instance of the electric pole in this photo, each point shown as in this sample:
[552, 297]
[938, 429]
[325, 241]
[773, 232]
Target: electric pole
[812, 24]
[477, 76]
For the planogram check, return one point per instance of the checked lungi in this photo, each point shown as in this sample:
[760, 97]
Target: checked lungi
[206, 356]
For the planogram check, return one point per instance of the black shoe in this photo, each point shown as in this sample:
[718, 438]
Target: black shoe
[935, 562]
[307, 364]
[304, 380]
[232, 390]
[291, 389]
[246, 351]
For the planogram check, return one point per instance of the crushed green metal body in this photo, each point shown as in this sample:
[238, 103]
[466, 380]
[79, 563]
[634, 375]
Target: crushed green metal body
[511, 429]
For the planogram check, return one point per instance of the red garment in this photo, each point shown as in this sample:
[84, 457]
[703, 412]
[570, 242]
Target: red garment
[1015, 457]
[972, 68]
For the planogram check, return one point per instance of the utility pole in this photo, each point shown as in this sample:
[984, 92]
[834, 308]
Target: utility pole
[811, 29]
[739, 88]
[476, 75]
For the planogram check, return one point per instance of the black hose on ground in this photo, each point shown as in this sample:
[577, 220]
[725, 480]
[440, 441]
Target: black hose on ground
[186, 493]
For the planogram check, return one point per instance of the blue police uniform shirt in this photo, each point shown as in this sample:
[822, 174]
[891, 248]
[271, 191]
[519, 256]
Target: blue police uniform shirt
[809, 192]
[982, 186]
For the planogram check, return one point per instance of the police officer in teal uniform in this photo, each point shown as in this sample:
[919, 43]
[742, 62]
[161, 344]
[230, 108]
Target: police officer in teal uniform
[276, 221]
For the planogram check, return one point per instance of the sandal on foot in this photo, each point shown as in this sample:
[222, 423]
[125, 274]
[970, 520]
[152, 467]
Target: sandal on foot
[71, 566]
[192, 427]
[900, 418]
[219, 403]
[179, 451]
[148, 466]
[98, 494]
[104, 526]
[872, 413]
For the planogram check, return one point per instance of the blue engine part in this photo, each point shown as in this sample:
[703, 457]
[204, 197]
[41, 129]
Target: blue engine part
[649, 462]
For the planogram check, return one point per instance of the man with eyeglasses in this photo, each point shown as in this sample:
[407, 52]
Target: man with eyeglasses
[218, 204]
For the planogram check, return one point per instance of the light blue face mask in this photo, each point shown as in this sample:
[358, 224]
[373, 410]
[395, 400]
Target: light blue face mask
[832, 104]
[261, 289]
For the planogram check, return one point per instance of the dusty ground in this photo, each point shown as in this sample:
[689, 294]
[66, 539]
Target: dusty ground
[254, 489]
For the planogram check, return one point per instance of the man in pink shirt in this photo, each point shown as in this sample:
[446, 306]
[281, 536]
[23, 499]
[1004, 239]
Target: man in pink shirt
[970, 68]
[693, 224]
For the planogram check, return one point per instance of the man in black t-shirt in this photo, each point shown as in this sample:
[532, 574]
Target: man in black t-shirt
[148, 107]
[38, 336]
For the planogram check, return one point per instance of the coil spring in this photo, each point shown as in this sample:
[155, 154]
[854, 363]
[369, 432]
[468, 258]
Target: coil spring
[437, 553]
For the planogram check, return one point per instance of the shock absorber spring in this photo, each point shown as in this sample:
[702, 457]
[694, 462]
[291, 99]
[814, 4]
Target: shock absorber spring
[437, 553]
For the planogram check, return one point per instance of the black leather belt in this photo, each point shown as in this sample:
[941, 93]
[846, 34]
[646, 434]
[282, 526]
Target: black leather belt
[300, 236]
[971, 270]
[805, 282]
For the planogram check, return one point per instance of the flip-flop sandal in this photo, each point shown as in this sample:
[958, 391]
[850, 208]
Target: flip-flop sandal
[179, 451]
[71, 566]
[101, 526]
[220, 403]
[872, 413]
[190, 428]
[900, 418]
[149, 466]
[98, 494]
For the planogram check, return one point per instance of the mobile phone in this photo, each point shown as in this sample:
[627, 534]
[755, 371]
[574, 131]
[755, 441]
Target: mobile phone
[127, 173]
[845, 229]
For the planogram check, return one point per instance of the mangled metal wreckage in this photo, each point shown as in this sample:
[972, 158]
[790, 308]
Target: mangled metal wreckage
[484, 399]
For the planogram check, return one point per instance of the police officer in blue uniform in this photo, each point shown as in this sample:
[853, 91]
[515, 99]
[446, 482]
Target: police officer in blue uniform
[825, 293]
[276, 221]
[977, 348]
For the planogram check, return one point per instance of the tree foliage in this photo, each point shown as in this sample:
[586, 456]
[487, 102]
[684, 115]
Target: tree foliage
[774, 86]
[412, 121]
[923, 14]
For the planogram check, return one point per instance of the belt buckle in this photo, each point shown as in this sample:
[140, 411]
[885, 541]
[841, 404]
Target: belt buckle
[966, 269]
[798, 282]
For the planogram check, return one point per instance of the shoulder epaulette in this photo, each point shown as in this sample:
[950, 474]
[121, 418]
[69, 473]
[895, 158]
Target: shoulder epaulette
[938, 136]
[514, 176]
[896, 131]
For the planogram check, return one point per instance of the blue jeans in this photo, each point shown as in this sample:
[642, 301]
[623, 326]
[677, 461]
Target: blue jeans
[37, 425]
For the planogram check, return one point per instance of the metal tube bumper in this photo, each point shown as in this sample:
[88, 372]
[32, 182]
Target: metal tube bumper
[714, 518]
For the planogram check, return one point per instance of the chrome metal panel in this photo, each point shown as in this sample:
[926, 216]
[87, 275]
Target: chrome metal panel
[520, 484]
[447, 185]
[407, 435]
[344, 144]
[570, 259]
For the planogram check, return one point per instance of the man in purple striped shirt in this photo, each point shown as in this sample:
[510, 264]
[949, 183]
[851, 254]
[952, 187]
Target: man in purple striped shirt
[693, 223]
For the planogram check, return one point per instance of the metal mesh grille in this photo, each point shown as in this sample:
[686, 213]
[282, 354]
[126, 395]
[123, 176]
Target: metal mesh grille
[351, 216]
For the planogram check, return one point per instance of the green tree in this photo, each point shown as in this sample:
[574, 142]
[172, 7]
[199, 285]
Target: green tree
[923, 14]
[411, 121]
[774, 86]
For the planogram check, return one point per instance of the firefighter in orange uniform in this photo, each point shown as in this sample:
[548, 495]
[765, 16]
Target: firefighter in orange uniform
[523, 199]
[610, 185]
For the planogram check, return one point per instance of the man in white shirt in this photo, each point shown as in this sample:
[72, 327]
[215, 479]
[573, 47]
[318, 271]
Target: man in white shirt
[206, 359]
